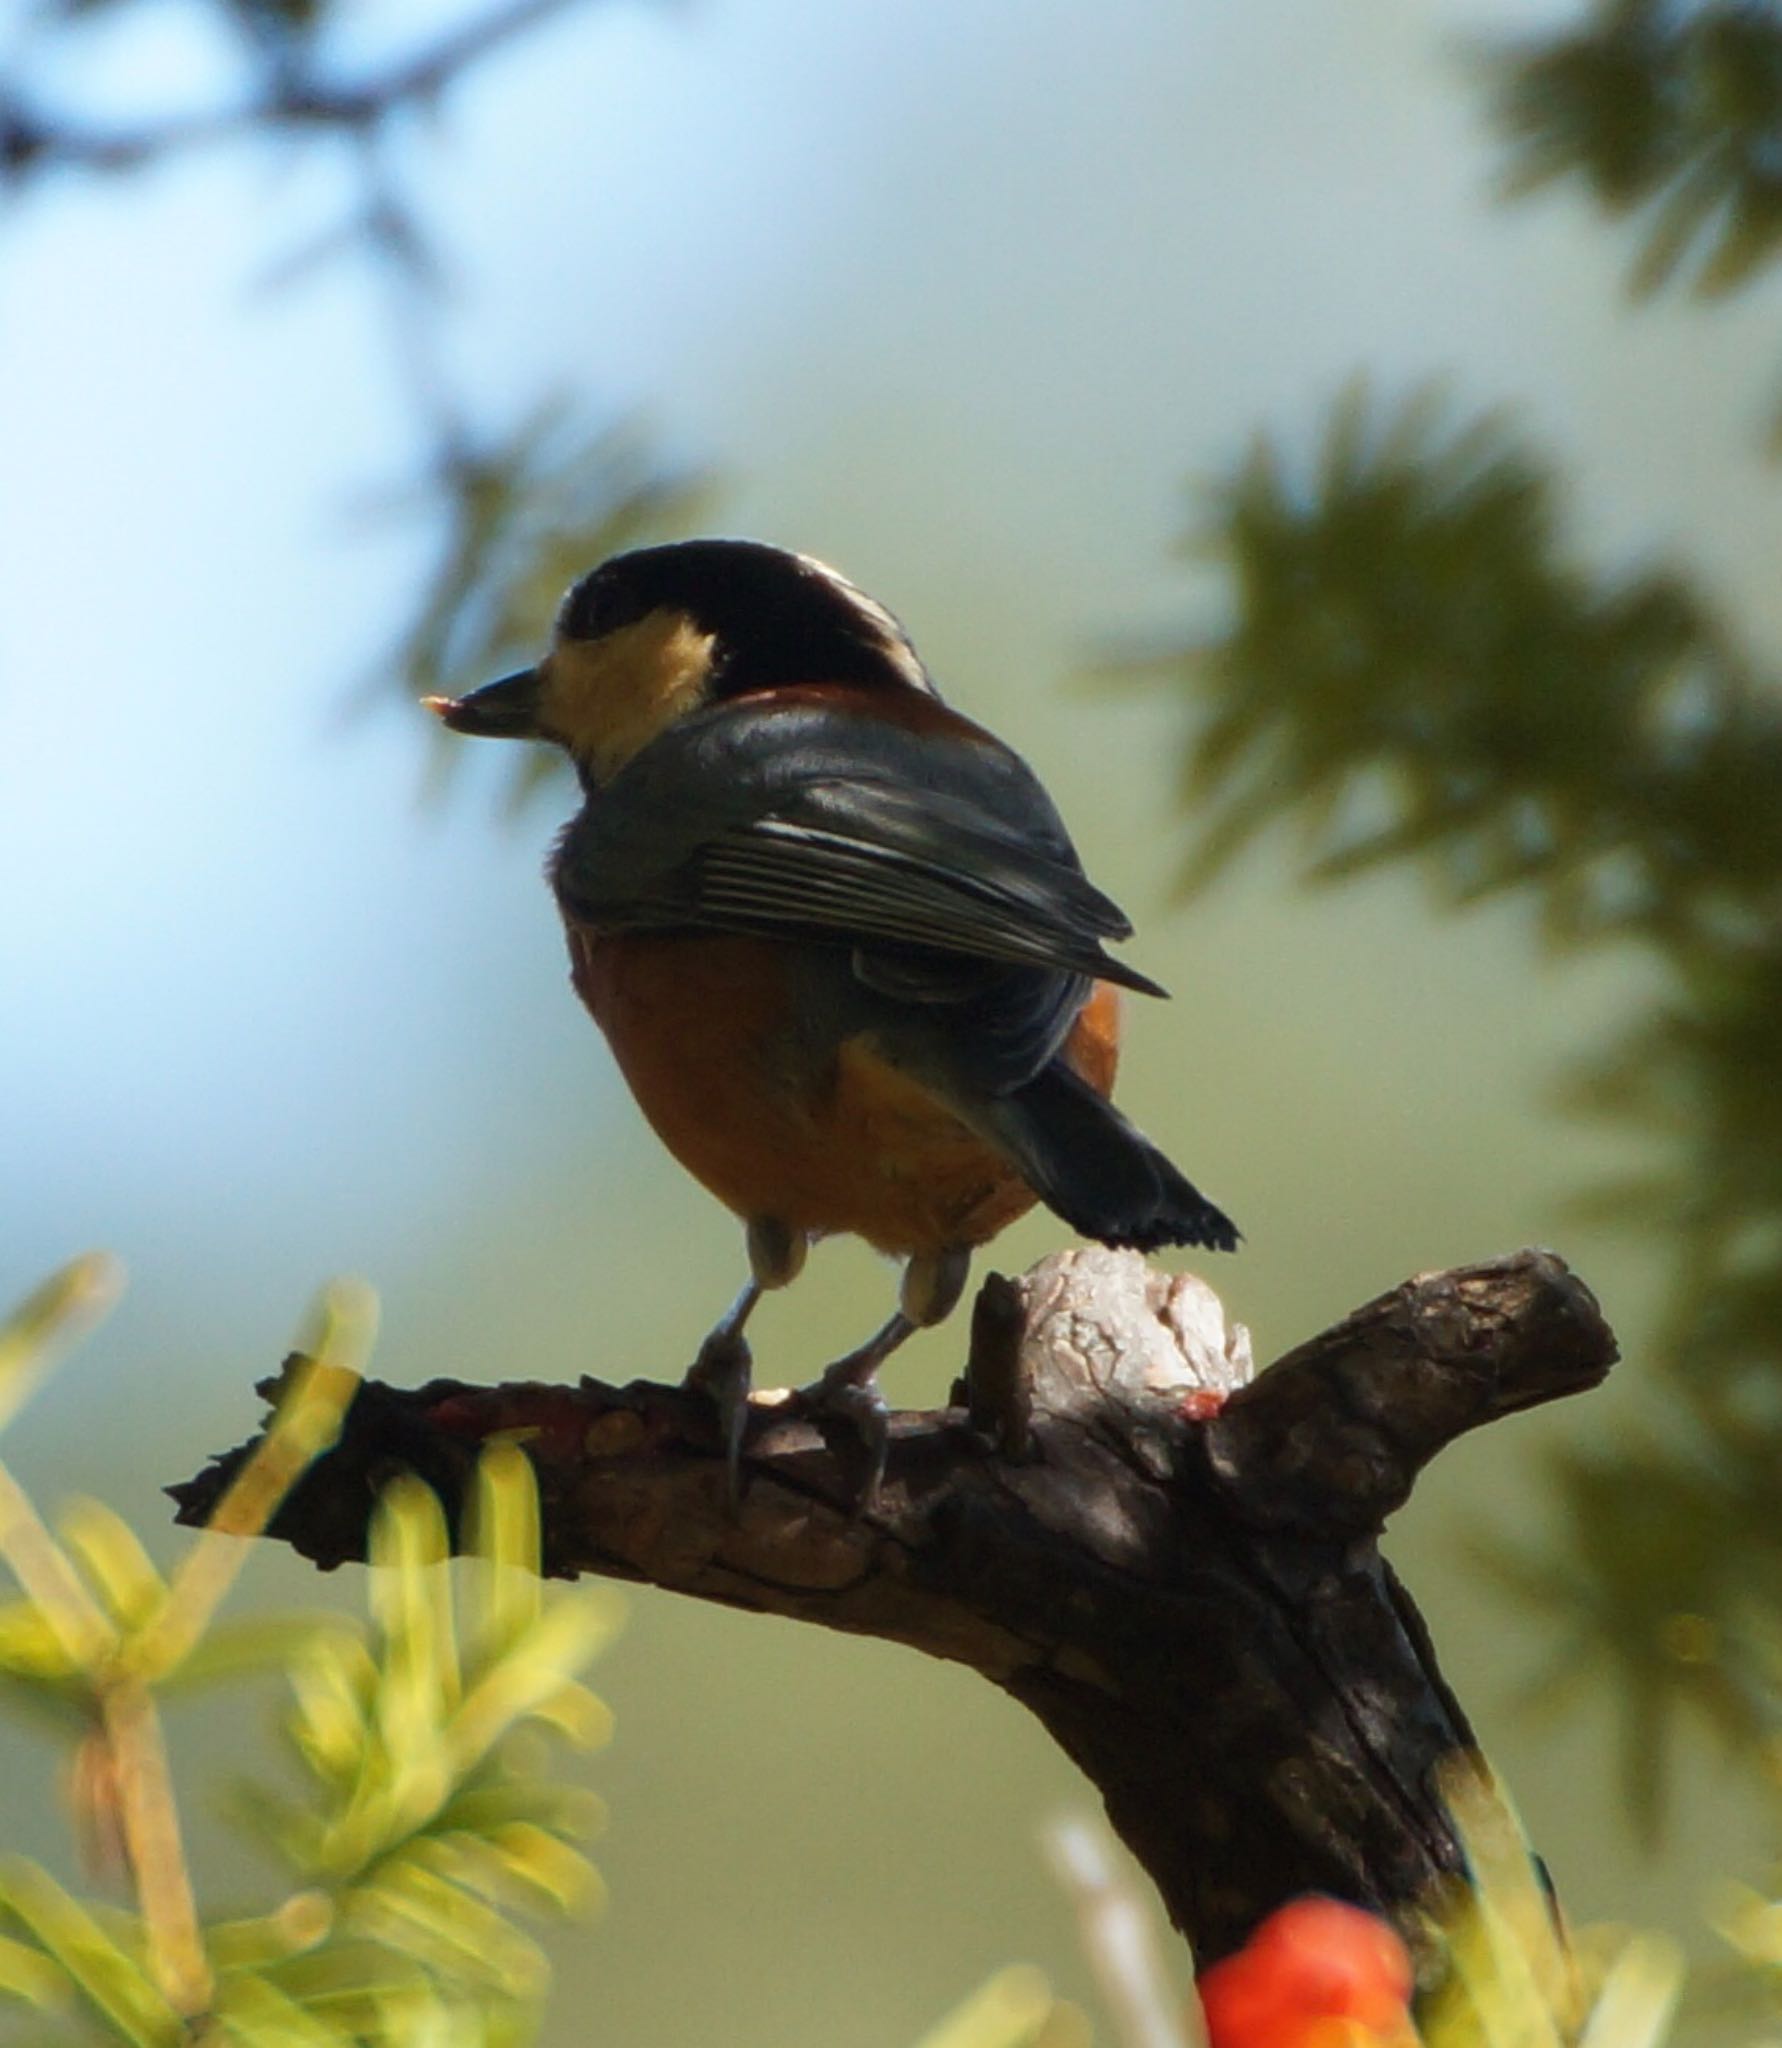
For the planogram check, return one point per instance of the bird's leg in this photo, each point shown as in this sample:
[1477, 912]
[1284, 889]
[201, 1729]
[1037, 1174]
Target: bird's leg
[932, 1285]
[725, 1363]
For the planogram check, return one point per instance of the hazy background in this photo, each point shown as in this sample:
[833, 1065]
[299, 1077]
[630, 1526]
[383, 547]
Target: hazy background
[966, 299]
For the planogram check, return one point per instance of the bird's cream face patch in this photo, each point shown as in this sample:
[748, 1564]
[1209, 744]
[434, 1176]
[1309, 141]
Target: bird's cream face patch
[604, 699]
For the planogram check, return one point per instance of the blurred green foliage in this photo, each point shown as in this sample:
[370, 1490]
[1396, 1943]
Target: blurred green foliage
[1418, 670]
[1515, 1980]
[1671, 112]
[425, 1825]
[1517, 1976]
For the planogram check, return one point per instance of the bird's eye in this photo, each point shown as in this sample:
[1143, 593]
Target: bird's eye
[607, 598]
[581, 616]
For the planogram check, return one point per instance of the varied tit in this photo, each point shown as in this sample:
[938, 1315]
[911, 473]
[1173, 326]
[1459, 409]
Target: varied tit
[836, 936]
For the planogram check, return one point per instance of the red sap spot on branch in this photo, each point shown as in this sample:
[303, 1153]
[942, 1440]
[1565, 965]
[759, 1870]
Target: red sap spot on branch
[1202, 1404]
[462, 1414]
[547, 1419]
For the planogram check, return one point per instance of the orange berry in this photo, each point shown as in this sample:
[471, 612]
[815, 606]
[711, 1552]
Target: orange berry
[1316, 1974]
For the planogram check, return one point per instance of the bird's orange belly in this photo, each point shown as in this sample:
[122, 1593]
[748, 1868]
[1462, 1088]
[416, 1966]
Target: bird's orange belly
[826, 1139]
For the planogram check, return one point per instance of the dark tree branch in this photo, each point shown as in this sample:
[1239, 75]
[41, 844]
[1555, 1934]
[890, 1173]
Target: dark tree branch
[425, 74]
[293, 95]
[1173, 1566]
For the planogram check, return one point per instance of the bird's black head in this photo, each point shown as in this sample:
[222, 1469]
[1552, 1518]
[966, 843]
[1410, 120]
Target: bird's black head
[655, 634]
[775, 617]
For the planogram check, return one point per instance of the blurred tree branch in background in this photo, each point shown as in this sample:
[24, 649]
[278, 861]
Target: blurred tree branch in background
[288, 85]
[519, 510]
[1669, 115]
[1416, 670]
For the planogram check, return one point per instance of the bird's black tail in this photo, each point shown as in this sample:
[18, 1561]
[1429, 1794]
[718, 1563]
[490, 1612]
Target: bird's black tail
[1093, 1168]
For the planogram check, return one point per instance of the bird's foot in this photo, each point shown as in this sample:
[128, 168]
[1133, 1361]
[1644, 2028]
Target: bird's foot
[842, 1393]
[723, 1370]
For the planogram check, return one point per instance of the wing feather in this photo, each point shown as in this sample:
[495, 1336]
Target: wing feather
[809, 820]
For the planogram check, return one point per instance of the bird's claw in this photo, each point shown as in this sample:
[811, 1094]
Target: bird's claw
[723, 1370]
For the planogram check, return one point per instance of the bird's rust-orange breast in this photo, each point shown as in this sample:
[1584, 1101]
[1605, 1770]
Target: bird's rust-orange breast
[827, 1138]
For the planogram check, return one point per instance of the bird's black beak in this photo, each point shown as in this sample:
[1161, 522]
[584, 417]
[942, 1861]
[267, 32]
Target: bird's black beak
[505, 710]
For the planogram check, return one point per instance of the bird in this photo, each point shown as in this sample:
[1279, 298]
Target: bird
[838, 940]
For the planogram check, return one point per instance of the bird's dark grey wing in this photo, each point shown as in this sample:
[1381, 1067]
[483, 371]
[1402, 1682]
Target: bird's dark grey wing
[796, 815]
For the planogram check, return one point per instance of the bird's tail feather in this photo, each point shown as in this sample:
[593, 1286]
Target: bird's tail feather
[1096, 1170]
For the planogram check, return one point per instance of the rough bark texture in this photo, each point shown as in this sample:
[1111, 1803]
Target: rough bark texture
[1170, 1561]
